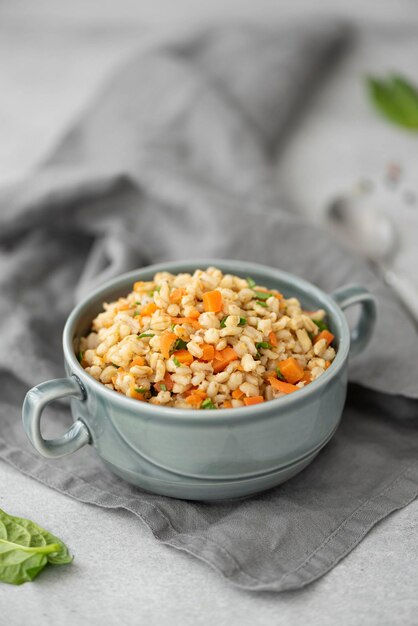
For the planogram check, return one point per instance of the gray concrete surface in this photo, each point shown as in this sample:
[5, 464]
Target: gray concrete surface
[52, 57]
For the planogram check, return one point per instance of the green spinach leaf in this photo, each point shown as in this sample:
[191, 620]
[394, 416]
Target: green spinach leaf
[26, 548]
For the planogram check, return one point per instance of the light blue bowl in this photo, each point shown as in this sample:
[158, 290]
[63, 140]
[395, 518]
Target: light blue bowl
[195, 454]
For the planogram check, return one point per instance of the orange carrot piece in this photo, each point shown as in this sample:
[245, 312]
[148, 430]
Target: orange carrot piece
[282, 386]
[183, 356]
[223, 358]
[186, 320]
[196, 397]
[139, 360]
[327, 364]
[291, 370]
[176, 295]
[138, 285]
[273, 338]
[208, 352]
[212, 301]
[253, 400]
[325, 334]
[237, 394]
[240, 368]
[307, 377]
[123, 307]
[194, 314]
[227, 404]
[166, 341]
[137, 395]
[149, 309]
[167, 382]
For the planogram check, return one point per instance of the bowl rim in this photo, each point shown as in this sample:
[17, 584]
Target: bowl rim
[191, 416]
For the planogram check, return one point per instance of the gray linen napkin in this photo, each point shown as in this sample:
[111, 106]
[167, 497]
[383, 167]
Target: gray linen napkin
[172, 161]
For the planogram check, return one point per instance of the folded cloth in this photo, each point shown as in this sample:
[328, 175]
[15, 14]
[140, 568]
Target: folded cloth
[174, 160]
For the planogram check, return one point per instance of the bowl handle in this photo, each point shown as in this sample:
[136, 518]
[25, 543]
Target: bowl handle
[354, 294]
[36, 400]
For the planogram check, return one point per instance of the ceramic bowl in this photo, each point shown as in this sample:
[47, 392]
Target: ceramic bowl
[196, 454]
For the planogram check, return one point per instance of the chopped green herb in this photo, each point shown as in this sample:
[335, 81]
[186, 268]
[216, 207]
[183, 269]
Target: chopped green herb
[157, 289]
[223, 321]
[262, 344]
[140, 390]
[321, 325]
[80, 356]
[138, 302]
[179, 344]
[242, 321]
[261, 295]
[172, 326]
[207, 404]
[279, 374]
[311, 336]
[251, 282]
[176, 361]
[163, 387]
[137, 313]
[146, 335]
[263, 304]
[114, 365]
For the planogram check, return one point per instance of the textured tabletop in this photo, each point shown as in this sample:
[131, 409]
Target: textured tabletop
[50, 63]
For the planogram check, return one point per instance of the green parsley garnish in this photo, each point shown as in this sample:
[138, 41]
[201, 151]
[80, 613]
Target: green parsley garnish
[163, 387]
[262, 344]
[242, 321]
[251, 282]
[138, 302]
[146, 335]
[279, 374]
[179, 344]
[176, 361]
[172, 326]
[223, 321]
[140, 389]
[80, 356]
[157, 289]
[321, 325]
[260, 303]
[207, 404]
[261, 295]
[137, 313]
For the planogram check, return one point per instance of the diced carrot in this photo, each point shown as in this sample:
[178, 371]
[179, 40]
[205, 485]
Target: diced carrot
[240, 368]
[195, 391]
[212, 301]
[253, 400]
[196, 398]
[307, 377]
[183, 356]
[166, 341]
[167, 382]
[227, 404]
[282, 386]
[194, 314]
[138, 285]
[273, 338]
[139, 360]
[223, 358]
[176, 295]
[327, 364]
[149, 309]
[325, 334]
[186, 320]
[208, 352]
[136, 395]
[291, 370]
[237, 394]
[123, 307]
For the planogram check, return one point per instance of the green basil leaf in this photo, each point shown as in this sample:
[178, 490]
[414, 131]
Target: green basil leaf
[263, 344]
[260, 295]
[26, 548]
[396, 99]
[207, 404]
[179, 344]
[321, 325]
